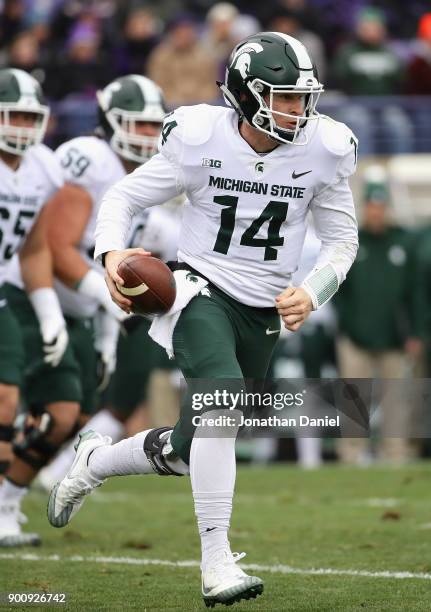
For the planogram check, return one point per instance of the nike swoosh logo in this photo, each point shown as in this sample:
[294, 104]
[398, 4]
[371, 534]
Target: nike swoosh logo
[295, 176]
[272, 331]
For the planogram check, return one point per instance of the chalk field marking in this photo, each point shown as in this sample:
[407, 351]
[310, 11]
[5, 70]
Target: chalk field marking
[273, 569]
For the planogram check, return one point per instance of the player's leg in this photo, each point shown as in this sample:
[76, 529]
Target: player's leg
[56, 395]
[204, 343]
[82, 342]
[11, 368]
[125, 457]
[212, 342]
[52, 396]
[256, 343]
[126, 390]
[128, 456]
[137, 357]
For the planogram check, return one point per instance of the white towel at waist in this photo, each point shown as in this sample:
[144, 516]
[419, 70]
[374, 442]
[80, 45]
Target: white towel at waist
[162, 327]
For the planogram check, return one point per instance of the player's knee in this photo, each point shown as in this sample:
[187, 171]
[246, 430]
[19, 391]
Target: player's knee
[34, 448]
[9, 396]
[161, 455]
[64, 417]
[45, 433]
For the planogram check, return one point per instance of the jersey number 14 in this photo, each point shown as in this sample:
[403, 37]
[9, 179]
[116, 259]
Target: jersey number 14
[274, 214]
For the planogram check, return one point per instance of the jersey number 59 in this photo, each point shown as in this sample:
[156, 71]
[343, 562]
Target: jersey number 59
[75, 161]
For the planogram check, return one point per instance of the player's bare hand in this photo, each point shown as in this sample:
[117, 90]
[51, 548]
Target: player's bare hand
[293, 305]
[112, 278]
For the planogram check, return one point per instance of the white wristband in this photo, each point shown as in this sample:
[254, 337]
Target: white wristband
[47, 307]
[321, 285]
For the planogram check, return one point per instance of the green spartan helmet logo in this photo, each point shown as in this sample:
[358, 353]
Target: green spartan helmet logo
[259, 167]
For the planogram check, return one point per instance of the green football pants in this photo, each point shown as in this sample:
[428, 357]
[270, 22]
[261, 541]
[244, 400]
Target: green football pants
[217, 337]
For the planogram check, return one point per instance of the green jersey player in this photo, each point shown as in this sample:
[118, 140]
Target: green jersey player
[251, 173]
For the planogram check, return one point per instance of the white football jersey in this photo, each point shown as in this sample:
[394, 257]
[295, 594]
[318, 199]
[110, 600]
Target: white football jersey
[22, 195]
[157, 230]
[245, 219]
[90, 163]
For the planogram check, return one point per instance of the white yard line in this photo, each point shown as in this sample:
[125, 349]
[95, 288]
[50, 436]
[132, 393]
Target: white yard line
[274, 569]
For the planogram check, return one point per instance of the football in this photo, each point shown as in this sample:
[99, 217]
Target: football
[148, 283]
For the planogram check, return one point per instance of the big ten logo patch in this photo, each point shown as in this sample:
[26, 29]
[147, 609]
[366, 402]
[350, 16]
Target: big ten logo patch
[211, 163]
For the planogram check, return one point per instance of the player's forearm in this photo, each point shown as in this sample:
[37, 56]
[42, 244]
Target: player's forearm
[340, 255]
[36, 267]
[112, 228]
[330, 271]
[69, 265]
[336, 226]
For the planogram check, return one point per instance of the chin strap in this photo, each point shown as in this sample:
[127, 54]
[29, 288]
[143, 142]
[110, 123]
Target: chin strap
[230, 98]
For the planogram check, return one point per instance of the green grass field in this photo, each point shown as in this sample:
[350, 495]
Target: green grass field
[371, 520]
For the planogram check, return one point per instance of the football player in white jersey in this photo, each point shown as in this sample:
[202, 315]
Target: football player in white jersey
[251, 174]
[131, 113]
[138, 356]
[32, 329]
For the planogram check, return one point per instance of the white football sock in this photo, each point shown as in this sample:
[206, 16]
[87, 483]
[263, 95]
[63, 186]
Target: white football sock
[212, 473]
[126, 458]
[11, 492]
[104, 423]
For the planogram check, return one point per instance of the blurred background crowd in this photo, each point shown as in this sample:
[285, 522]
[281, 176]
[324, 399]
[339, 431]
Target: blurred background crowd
[374, 57]
[375, 61]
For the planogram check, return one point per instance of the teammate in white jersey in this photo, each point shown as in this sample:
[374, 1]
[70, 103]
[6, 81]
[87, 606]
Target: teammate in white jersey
[251, 173]
[32, 333]
[131, 112]
[137, 357]
[131, 116]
